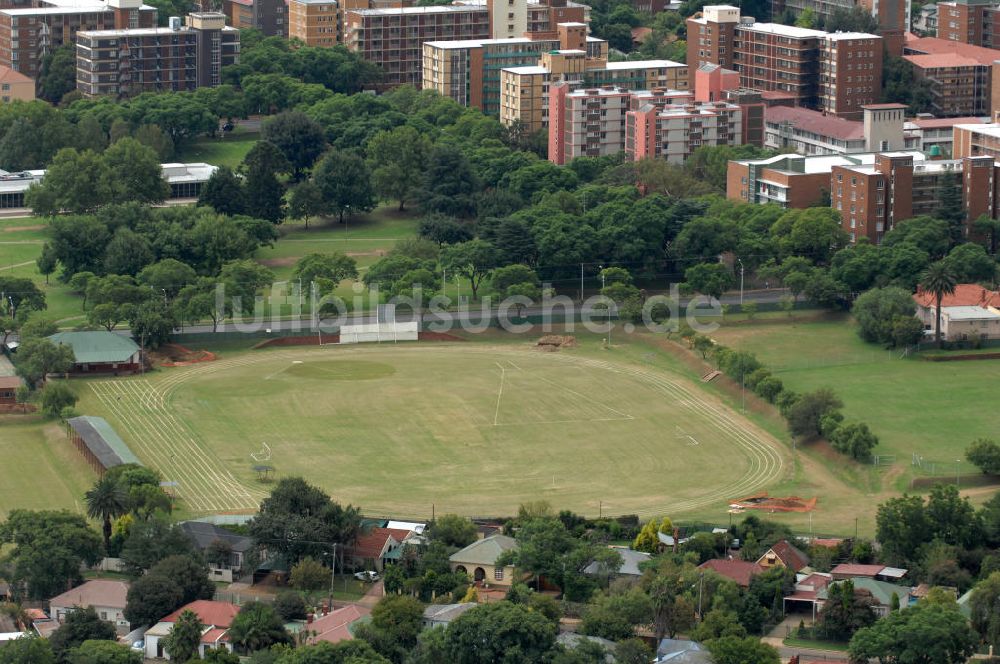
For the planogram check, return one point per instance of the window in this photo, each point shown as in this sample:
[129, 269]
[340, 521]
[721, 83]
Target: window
[498, 574]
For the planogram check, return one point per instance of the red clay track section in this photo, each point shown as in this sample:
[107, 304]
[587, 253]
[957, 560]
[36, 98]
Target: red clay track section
[763, 501]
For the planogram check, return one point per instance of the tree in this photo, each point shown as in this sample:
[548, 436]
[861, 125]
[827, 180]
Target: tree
[103, 652]
[152, 323]
[257, 627]
[615, 616]
[734, 650]
[127, 253]
[56, 397]
[80, 625]
[184, 637]
[309, 575]
[168, 276]
[152, 541]
[500, 631]
[106, 500]
[855, 440]
[36, 358]
[876, 312]
[970, 263]
[305, 200]
[449, 183]
[984, 454]
[453, 530]
[901, 527]
[923, 634]
[223, 192]
[990, 228]
[219, 553]
[300, 138]
[939, 279]
[354, 651]
[906, 331]
[47, 261]
[27, 650]
[331, 268]
[345, 183]
[74, 182]
[263, 193]
[290, 605]
[57, 75]
[397, 159]
[804, 418]
[712, 279]
[473, 260]
[150, 598]
[397, 620]
[296, 507]
[443, 229]
[984, 605]
[845, 612]
[134, 173]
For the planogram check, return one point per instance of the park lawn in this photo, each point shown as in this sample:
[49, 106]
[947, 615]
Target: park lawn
[42, 469]
[222, 151]
[836, 646]
[932, 409]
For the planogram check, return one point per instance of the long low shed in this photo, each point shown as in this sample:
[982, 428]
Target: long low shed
[99, 443]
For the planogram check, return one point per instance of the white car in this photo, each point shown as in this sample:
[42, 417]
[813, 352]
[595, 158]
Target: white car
[369, 576]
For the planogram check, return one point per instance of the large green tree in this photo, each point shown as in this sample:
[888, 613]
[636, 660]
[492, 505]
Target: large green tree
[924, 634]
[499, 632]
[58, 74]
[134, 173]
[397, 159]
[474, 260]
[106, 500]
[80, 625]
[257, 627]
[36, 358]
[185, 635]
[876, 311]
[345, 183]
[263, 193]
[300, 138]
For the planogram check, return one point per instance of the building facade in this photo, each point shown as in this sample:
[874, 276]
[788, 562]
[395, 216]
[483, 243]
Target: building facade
[29, 31]
[15, 86]
[975, 22]
[268, 16]
[178, 58]
[893, 16]
[961, 76]
[322, 22]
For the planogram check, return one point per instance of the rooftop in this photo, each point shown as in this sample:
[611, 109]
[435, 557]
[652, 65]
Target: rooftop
[969, 313]
[484, 551]
[97, 347]
[941, 123]
[204, 534]
[935, 46]
[102, 441]
[630, 562]
[147, 32]
[804, 119]
[943, 60]
[641, 64]
[838, 36]
[97, 592]
[965, 295]
[443, 613]
[408, 11]
[216, 614]
[782, 30]
[8, 75]
[473, 43]
[336, 625]
[740, 571]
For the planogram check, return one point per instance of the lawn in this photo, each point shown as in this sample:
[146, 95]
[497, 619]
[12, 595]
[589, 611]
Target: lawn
[932, 409]
[42, 469]
[226, 150]
[473, 428]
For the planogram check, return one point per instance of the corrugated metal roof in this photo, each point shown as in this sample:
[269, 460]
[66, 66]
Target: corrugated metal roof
[102, 441]
[97, 347]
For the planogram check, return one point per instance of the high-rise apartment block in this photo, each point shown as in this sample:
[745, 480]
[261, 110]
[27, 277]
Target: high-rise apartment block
[31, 29]
[975, 22]
[833, 72]
[893, 16]
[179, 58]
[524, 91]
[268, 16]
[962, 77]
[322, 22]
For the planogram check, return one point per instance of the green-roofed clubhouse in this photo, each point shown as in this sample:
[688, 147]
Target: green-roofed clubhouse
[99, 443]
[100, 351]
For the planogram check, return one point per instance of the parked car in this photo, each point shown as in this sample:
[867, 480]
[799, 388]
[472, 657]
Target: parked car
[369, 576]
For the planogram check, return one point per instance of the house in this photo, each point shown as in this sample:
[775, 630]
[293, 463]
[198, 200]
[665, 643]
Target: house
[806, 594]
[9, 381]
[204, 535]
[878, 572]
[338, 625]
[572, 641]
[740, 571]
[97, 352]
[105, 596]
[216, 617]
[371, 549]
[413, 526]
[441, 615]
[631, 560]
[671, 541]
[783, 554]
[15, 86]
[971, 312]
[681, 651]
[478, 560]
[880, 592]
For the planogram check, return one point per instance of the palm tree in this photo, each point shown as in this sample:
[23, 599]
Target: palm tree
[106, 500]
[939, 279]
[258, 627]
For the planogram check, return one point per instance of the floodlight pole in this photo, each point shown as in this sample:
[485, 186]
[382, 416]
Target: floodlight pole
[603, 286]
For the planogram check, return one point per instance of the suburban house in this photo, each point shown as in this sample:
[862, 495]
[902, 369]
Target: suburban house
[880, 592]
[216, 617]
[630, 563]
[783, 554]
[877, 572]
[805, 595]
[204, 535]
[740, 571]
[98, 352]
[105, 596]
[338, 625]
[478, 560]
[681, 651]
[441, 615]
[970, 313]
[370, 550]
[9, 381]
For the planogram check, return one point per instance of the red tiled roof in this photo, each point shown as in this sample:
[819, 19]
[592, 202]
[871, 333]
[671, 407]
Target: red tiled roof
[849, 569]
[739, 571]
[965, 295]
[96, 592]
[789, 555]
[940, 123]
[216, 614]
[213, 636]
[641, 34]
[8, 75]
[372, 544]
[816, 122]
[335, 626]
[940, 60]
[935, 46]
[828, 542]
[776, 94]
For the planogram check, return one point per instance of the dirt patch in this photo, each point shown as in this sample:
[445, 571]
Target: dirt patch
[959, 358]
[438, 336]
[308, 340]
[763, 501]
[175, 355]
[14, 229]
[553, 342]
[278, 262]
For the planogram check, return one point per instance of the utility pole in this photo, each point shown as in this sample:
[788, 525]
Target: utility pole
[333, 573]
[603, 286]
[581, 283]
[740, 261]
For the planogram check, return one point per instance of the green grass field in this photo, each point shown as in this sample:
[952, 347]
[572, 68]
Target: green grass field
[225, 151]
[473, 428]
[42, 468]
[933, 409]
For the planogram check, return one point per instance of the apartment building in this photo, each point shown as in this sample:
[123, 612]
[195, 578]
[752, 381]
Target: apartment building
[974, 140]
[833, 72]
[809, 132]
[961, 75]
[893, 16]
[674, 131]
[178, 58]
[15, 86]
[929, 134]
[975, 22]
[524, 91]
[589, 122]
[31, 29]
[872, 192]
[468, 71]
[268, 16]
[321, 22]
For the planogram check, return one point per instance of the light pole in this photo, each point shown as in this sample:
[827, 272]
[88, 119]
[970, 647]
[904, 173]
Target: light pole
[957, 461]
[603, 286]
[333, 573]
[740, 261]
[164, 295]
